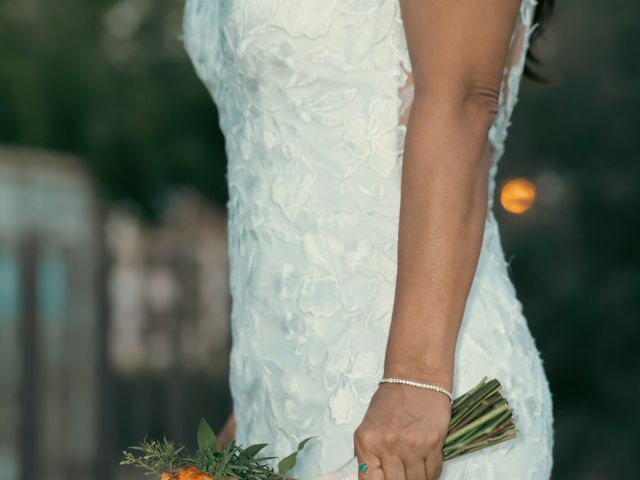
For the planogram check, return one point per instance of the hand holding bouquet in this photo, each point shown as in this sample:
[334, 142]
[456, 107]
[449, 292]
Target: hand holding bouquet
[479, 418]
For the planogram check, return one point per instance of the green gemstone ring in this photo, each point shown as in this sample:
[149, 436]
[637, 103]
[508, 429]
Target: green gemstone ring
[363, 467]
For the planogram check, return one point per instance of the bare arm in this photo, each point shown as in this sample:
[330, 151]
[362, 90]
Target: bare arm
[458, 49]
[227, 432]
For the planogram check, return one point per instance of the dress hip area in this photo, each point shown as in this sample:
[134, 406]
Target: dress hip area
[311, 96]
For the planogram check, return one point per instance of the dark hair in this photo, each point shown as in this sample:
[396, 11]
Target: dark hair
[540, 16]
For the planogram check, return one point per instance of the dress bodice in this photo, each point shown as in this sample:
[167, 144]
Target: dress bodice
[327, 75]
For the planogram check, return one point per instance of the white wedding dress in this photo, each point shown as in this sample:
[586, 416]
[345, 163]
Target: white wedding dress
[312, 98]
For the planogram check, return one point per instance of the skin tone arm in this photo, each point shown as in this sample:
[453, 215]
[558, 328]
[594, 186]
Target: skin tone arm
[458, 49]
[227, 432]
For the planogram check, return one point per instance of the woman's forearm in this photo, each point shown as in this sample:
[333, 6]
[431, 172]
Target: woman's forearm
[442, 216]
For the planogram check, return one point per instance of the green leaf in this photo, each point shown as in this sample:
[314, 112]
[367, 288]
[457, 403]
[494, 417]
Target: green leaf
[288, 462]
[304, 442]
[261, 459]
[206, 437]
[252, 450]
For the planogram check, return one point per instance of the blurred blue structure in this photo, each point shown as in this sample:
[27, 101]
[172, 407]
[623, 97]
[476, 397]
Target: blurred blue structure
[52, 342]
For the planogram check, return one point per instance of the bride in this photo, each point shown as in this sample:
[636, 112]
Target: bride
[362, 139]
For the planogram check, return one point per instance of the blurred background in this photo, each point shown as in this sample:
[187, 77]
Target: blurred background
[114, 304]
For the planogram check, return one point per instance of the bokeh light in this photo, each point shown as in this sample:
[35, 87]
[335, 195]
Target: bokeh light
[517, 195]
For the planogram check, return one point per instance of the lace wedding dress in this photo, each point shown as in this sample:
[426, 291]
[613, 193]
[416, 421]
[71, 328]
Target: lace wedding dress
[313, 99]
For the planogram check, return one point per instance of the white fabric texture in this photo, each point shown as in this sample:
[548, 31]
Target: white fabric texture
[309, 95]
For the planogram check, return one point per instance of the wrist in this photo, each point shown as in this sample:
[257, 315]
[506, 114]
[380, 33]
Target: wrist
[423, 352]
[439, 374]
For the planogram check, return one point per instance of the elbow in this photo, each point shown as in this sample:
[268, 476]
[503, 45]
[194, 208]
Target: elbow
[474, 101]
[480, 99]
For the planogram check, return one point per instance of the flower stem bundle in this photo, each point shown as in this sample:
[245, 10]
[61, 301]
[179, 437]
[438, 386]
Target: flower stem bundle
[479, 418]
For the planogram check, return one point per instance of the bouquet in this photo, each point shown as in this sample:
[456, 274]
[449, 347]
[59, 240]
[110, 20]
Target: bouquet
[479, 418]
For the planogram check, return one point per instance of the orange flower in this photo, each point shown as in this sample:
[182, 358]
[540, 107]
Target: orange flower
[192, 473]
[189, 473]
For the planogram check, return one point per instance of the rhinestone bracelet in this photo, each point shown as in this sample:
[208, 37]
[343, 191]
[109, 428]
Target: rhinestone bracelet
[428, 386]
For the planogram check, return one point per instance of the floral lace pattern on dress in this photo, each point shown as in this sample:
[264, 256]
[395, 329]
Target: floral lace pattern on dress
[312, 99]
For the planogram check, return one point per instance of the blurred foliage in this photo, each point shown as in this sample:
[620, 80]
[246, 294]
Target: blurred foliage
[109, 81]
[574, 257]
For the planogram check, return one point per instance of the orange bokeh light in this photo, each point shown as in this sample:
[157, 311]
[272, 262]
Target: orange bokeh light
[517, 195]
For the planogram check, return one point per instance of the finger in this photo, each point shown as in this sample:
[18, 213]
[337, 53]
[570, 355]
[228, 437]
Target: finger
[434, 466]
[362, 446]
[415, 468]
[373, 464]
[393, 468]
